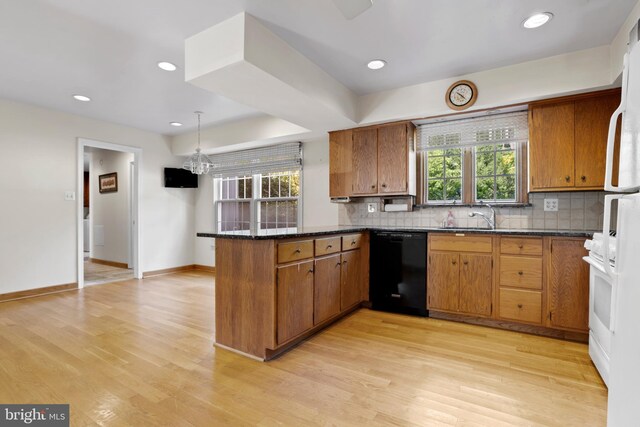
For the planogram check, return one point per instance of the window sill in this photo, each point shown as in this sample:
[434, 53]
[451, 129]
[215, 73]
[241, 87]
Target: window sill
[472, 205]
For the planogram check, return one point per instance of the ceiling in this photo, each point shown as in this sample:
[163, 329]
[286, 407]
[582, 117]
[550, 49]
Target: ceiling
[108, 50]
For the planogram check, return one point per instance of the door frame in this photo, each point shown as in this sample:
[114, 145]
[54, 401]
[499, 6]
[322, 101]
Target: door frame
[134, 209]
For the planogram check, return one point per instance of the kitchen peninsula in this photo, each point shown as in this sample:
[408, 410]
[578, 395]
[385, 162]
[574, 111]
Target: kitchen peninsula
[273, 291]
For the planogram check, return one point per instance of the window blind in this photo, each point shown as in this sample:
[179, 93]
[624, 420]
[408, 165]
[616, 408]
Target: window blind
[263, 160]
[498, 128]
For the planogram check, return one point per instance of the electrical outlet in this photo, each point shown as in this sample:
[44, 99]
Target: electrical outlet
[69, 195]
[551, 205]
[371, 207]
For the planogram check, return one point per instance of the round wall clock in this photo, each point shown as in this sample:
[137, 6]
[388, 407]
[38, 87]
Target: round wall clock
[461, 95]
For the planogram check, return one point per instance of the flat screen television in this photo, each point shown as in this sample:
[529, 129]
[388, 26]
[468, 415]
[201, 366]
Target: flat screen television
[179, 178]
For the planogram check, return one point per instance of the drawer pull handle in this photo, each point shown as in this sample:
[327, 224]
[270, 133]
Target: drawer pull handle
[329, 246]
[466, 262]
[311, 270]
[567, 178]
[520, 273]
[520, 246]
[519, 305]
[338, 264]
[353, 242]
[297, 251]
[344, 262]
[453, 262]
[583, 178]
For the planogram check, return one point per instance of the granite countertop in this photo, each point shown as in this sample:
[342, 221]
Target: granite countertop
[319, 231]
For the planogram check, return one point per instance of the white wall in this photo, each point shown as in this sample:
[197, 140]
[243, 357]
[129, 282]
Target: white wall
[38, 227]
[317, 210]
[110, 210]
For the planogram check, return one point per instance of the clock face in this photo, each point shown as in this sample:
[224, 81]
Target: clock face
[461, 94]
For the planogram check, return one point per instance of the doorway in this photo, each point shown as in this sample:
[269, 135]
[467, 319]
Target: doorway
[108, 214]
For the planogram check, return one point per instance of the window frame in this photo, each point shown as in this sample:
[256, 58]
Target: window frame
[254, 204]
[468, 188]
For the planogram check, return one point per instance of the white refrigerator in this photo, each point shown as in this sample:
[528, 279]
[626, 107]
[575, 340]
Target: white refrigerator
[624, 369]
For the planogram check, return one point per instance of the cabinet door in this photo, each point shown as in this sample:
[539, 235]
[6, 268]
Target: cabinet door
[592, 117]
[551, 146]
[365, 161]
[295, 300]
[340, 163]
[326, 302]
[392, 159]
[476, 284]
[350, 288]
[443, 281]
[568, 285]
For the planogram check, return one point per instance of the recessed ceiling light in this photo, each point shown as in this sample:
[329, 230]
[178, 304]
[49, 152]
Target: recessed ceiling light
[176, 124]
[376, 64]
[537, 20]
[81, 98]
[167, 66]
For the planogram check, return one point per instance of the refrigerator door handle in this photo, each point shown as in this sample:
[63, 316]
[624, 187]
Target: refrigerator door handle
[613, 124]
[608, 200]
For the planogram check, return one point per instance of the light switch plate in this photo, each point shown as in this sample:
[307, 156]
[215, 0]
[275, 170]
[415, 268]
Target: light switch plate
[69, 195]
[371, 207]
[551, 205]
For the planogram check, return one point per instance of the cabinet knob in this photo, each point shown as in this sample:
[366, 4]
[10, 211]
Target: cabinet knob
[466, 262]
[567, 178]
[520, 246]
[353, 242]
[311, 270]
[338, 264]
[583, 178]
[453, 262]
[520, 273]
[329, 246]
[384, 185]
[297, 251]
[519, 305]
[373, 186]
[344, 262]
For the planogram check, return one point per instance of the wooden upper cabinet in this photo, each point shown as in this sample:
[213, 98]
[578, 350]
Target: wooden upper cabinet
[551, 146]
[365, 161]
[568, 141]
[592, 129]
[476, 284]
[392, 159]
[340, 163]
[568, 284]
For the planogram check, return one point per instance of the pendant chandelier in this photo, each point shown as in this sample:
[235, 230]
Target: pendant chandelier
[198, 163]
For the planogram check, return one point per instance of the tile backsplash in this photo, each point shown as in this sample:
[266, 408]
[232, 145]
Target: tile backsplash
[576, 211]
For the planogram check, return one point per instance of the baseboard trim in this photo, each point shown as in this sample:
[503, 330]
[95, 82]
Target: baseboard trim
[168, 270]
[11, 296]
[109, 263]
[206, 268]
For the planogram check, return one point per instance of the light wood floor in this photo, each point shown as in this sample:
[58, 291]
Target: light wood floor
[95, 273]
[140, 353]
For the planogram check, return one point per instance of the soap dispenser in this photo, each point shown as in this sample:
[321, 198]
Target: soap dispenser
[451, 220]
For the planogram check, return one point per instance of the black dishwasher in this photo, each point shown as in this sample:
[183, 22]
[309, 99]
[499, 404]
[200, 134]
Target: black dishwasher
[398, 273]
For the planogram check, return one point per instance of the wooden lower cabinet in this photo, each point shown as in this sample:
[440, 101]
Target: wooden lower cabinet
[443, 281]
[327, 288]
[295, 300]
[460, 282]
[567, 284]
[476, 284]
[351, 278]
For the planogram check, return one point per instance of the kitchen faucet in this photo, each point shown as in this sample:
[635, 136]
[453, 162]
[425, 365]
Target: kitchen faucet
[490, 220]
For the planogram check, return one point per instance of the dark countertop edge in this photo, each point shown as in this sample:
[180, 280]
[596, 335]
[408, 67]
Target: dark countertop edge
[337, 230]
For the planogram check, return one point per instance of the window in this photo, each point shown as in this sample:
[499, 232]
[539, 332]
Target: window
[258, 191]
[472, 160]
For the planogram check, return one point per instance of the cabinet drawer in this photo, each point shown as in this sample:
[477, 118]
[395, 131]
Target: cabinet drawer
[521, 272]
[461, 243]
[521, 305]
[521, 246]
[328, 245]
[352, 241]
[293, 251]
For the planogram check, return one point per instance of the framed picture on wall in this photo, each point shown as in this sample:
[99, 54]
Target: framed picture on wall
[108, 183]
